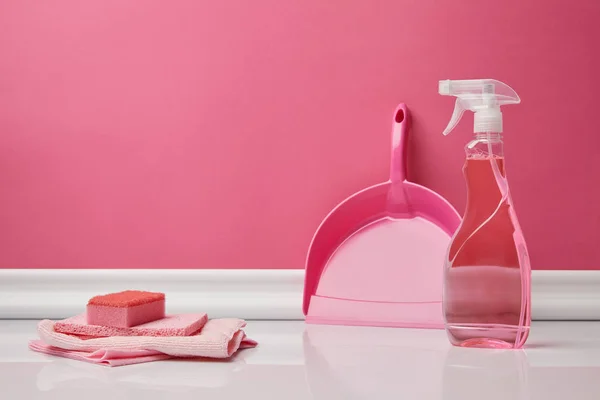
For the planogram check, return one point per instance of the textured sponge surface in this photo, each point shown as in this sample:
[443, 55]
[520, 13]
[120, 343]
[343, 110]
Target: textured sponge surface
[171, 325]
[127, 298]
[125, 309]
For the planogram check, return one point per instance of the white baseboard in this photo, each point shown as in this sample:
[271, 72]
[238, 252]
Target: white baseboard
[565, 295]
[249, 294]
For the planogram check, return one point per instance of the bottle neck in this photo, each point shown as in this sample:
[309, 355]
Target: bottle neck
[484, 145]
[482, 152]
[489, 136]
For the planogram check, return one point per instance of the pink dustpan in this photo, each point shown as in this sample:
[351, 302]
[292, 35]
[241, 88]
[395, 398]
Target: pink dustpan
[377, 258]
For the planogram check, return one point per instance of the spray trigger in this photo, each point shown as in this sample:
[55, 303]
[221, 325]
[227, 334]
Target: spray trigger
[459, 110]
[484, 97]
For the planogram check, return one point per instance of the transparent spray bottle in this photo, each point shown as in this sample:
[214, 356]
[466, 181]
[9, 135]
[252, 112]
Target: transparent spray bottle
[487, 276]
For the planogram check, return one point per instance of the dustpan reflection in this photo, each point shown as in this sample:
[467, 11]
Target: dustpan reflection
[374, 363]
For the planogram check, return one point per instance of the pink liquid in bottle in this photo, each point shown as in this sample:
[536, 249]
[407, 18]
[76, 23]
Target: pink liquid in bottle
[487, 274]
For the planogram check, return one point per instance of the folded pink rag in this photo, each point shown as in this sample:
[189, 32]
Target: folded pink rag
[220, 338]
[111, 358]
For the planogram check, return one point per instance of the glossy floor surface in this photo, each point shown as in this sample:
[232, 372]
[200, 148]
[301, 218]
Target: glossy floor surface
[298, 361]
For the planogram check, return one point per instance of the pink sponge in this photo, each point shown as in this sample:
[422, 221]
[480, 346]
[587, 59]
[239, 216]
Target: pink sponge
[125, 309]
[171, 325]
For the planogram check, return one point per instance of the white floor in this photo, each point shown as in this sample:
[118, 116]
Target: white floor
[298, 361]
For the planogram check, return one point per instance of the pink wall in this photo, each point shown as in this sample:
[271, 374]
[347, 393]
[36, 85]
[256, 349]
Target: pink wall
[217, 134]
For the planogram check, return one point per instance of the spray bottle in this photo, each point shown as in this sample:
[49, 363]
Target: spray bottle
[487, 276]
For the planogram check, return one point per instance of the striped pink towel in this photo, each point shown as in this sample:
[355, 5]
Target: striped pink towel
[220, 338]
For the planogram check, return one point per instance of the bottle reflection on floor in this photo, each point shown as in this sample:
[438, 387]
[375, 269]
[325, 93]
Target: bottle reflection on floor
[485, 374]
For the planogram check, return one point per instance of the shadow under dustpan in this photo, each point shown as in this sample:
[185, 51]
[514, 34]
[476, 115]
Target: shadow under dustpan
[377, 258]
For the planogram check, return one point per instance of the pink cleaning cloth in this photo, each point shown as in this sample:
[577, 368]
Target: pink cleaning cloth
[171, 325]
[111, 358]
[219, 338]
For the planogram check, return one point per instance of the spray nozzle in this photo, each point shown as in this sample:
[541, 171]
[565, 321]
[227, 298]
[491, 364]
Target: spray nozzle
[482, 96]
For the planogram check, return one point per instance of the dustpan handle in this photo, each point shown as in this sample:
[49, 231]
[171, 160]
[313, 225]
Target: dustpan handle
[399, 144]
